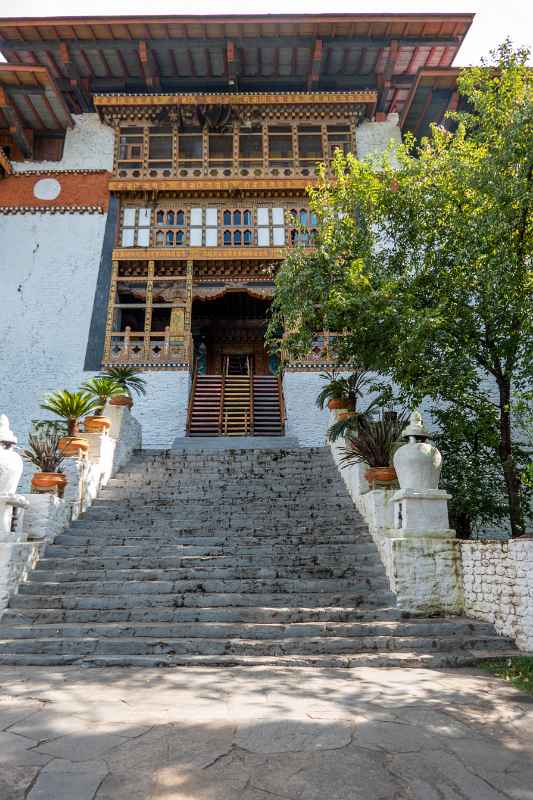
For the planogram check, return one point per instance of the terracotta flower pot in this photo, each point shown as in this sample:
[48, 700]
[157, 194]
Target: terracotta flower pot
[73, 445]
[96, 424]
[381, 474]
[346, 405]
[48, 482]
[121, 400]
[343, 414]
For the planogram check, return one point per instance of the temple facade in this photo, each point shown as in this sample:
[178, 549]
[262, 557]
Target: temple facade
[153, 175]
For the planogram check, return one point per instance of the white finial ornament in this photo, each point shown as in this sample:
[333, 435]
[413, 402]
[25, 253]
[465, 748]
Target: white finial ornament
[6, 434]
[418, 463]
[11, 466]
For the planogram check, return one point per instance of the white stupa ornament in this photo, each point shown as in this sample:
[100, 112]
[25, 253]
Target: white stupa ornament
[418, 463]
[11, 466]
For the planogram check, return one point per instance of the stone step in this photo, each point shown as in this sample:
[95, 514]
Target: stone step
[252, 631]
[310, 645]
[231, 573]
[225, 562]
[352, 599]
[210, 568]
[405, 659]
[287, 586]
[235, 614]
[230, 541]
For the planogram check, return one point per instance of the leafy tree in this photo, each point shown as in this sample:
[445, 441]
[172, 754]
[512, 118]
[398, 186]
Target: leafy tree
[423, 259]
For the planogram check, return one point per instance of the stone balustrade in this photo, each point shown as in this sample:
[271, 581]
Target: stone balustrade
[46, 515]
[432, 572]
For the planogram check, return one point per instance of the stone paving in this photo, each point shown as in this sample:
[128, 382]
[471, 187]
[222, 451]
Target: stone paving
[262, 734]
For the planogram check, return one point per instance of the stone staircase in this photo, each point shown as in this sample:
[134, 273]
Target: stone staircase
[236, 557]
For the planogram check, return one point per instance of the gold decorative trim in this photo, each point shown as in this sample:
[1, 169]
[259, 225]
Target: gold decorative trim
[209, 184]
[199, 253]
[248, 99]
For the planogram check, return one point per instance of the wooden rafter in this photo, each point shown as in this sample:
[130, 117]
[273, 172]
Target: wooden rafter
[149, 66]
[79, 85]
[231, 63]
[16, 124]
[313, 76]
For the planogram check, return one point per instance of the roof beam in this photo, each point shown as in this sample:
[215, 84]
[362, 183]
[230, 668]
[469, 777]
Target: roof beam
[16, 125]
[254, 41]
[79, 85]
[148, 65]
[231, 61]
[316, 62]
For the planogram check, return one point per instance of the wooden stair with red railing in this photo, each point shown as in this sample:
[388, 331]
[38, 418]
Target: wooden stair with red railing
[236, 405]
[206, 405]
[267, 406]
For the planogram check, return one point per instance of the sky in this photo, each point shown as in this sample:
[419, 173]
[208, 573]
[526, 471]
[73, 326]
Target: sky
[495, 19]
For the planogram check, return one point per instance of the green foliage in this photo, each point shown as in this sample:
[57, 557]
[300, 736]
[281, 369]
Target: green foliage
[49, 426]
[71, 406]
[374, 441]
[517, 671]
[102, 388]
[424, 257]
[338, 387]
[43, 450]
[471, 471]
[128, 378]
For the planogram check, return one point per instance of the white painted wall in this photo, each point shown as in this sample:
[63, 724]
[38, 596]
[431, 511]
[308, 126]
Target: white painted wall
[88, 145]
[163, 411]
[374, 137]
[304, 420]
[48, 271]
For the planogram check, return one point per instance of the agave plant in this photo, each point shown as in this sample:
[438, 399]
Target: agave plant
[102, 388]
[374, 441]
[128, 379]
[71, 406]
[349, 388]
[43, 451]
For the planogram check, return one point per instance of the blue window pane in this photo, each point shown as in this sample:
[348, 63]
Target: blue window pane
[180, 218]
[303, 217]
[170, 239]
[247, 218]
[179, 237]
[170, 218]
[314, 220]
[160, 217]
[227, 217]
[236, 217]
[247, 237]
[227, 237]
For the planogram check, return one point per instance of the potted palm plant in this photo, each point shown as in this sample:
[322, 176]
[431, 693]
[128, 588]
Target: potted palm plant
[342, 392]
[44, 453]
[71, 406]
[374, 443]
[102, 388]
[129, 381]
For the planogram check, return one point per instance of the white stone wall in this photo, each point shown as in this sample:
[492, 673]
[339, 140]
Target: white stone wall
[163, 411]
[48, 271]
[498, 586]
[374, 137]
[88, 145]
[304, 420]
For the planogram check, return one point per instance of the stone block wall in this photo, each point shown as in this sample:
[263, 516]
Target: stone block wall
[498, 586]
